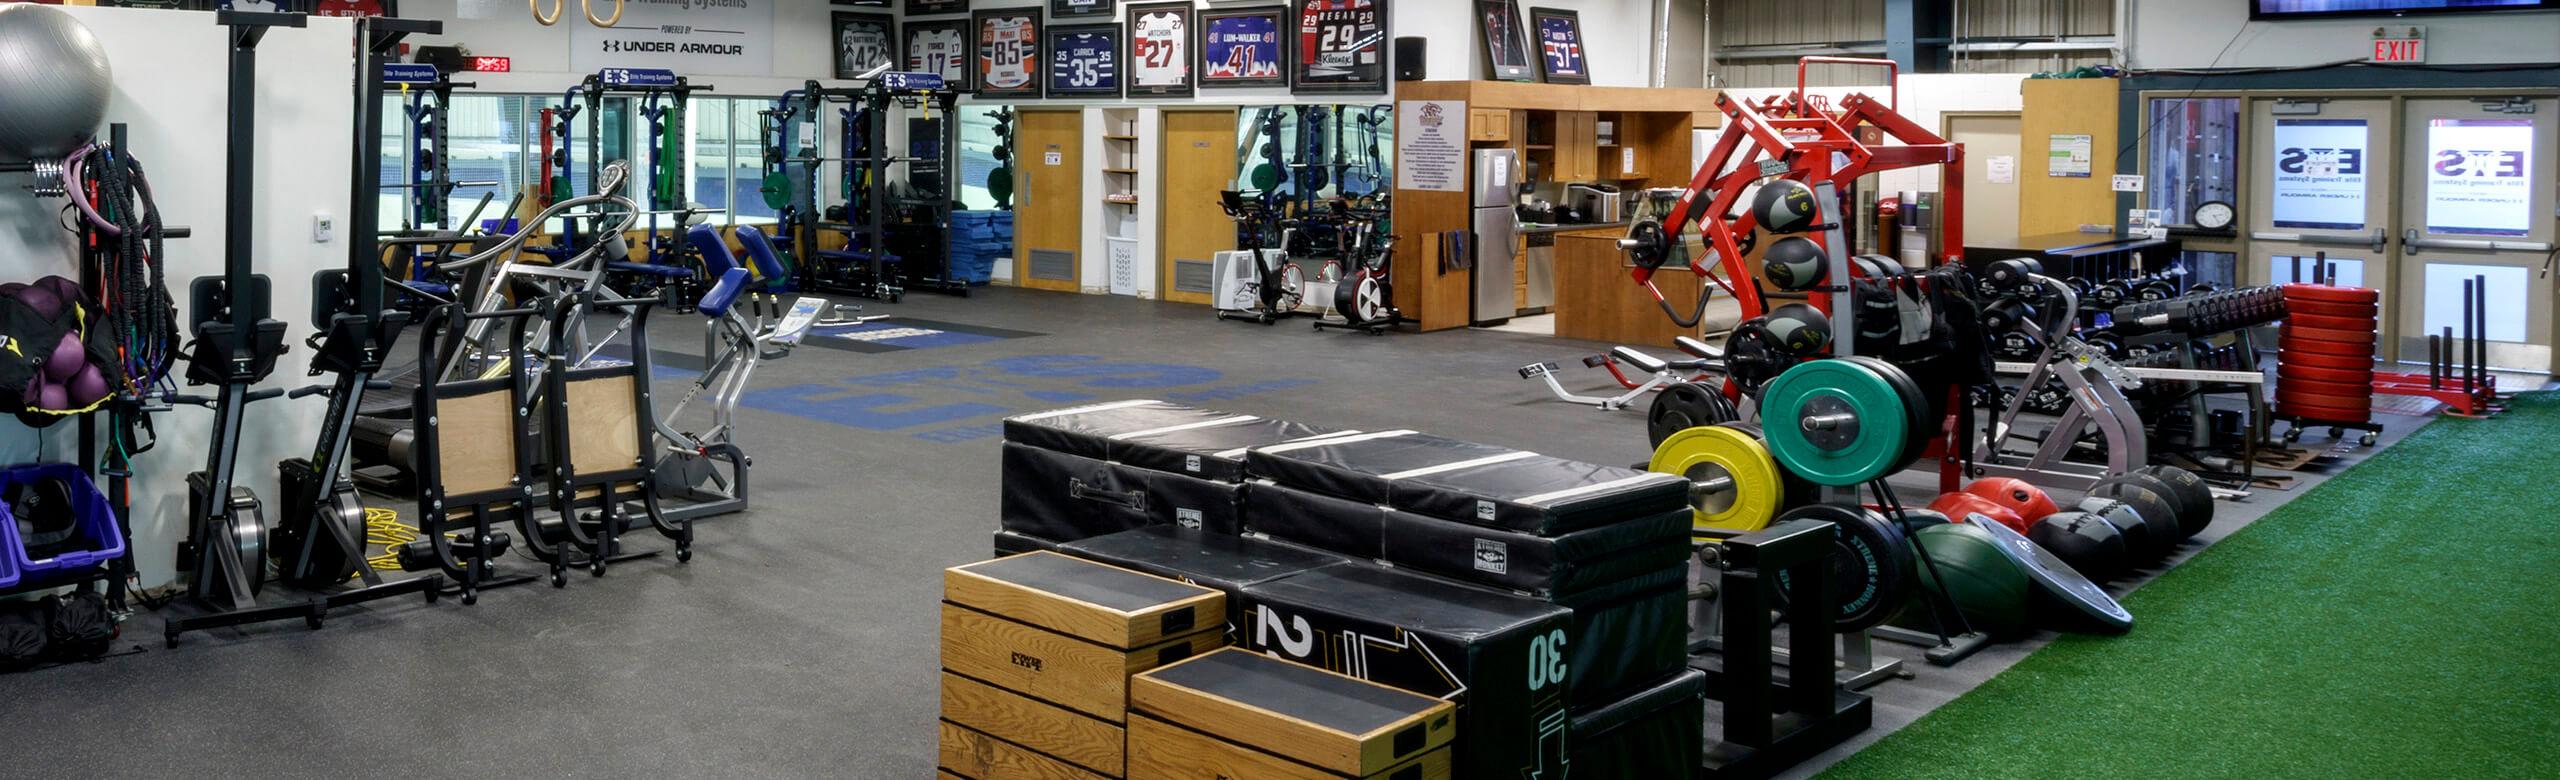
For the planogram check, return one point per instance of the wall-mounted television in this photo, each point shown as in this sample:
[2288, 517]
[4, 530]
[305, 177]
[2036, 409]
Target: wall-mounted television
[2315, 9]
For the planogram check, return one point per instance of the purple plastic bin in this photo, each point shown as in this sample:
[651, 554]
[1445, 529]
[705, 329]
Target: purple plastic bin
[97, 524]
[493, 226]
[9, 540]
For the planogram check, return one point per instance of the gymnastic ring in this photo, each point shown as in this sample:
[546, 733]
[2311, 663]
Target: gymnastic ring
[536, 7]
[589, 8]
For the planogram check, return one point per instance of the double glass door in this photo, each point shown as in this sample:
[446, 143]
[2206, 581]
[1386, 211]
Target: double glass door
[2413, 196]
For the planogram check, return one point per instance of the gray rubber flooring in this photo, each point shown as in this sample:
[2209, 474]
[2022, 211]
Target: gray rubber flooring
[801, 639]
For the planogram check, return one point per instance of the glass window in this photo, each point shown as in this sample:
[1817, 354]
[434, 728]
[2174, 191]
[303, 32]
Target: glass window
[746, 163]
[2506, 286]
[2194, 155]
[709, 153]
[2343, 272]
[977, 157]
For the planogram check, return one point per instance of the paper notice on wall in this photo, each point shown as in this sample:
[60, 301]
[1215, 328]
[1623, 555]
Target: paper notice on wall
[2479, 176]
[690, 37]
[2069, 156]
[2001, 169]
[1431, 145]
[1053, 158]
[2319, 177]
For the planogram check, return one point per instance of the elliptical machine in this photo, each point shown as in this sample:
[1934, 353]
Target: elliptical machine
[1277, 286]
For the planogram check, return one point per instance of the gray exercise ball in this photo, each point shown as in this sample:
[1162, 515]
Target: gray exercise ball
[57, 86]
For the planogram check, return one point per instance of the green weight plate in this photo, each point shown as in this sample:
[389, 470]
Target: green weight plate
[1266, 176]
[777, 189]
[1835, 422]
[1914, 404]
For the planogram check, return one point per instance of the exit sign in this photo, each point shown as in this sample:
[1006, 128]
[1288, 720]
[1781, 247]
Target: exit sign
[492, 64]
[2399, 50]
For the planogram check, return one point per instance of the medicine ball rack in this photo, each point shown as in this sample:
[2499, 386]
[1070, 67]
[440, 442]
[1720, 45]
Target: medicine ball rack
[1800, 137]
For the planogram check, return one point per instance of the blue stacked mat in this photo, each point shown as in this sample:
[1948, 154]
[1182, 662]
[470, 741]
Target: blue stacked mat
[978, 238]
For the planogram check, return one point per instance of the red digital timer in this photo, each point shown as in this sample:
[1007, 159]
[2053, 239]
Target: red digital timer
[492, 64]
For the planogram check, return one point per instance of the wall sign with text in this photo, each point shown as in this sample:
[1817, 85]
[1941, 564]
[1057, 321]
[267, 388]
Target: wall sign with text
[2319, 176]
[2479, 176]
[723, 38]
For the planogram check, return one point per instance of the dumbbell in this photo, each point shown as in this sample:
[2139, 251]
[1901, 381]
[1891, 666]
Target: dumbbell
[2110, 294]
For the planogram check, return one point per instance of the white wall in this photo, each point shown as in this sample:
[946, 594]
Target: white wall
[170, 88]
[1924, 98]
[2190, 33]
[1617, 36]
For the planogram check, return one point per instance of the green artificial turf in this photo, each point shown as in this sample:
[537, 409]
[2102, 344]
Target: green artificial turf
[2396, 621]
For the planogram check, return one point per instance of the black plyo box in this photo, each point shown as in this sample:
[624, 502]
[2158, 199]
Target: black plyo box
[1540, 495]
[1092, 470]
[1502, 659]
[1655, 733]
[1225, 563]
[1061, 497]
[1158, 435]
[1542, 566]
[1539, 565]
[1468, 482]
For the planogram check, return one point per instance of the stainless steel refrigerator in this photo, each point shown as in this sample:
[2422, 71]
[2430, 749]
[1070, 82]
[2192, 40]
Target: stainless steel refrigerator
[1497, 230]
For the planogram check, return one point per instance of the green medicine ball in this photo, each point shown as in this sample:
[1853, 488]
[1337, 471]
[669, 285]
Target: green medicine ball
[1983, 581]
[1785, 206]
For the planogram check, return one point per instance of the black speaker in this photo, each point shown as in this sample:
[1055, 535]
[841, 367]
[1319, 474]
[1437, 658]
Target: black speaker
[1409, 58]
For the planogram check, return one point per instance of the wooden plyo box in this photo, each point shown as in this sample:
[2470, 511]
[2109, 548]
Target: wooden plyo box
[1037, 650]
[1236, 714]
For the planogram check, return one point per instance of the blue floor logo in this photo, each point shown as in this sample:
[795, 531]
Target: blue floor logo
[936, 398]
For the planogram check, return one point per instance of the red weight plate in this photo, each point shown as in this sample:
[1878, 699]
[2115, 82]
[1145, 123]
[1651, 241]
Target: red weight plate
[2291, 357]
[2330, 309]
[2289, 396]
[2325, 413]
[2320, 292]
[2345, 376]
[2292, 331]
[2361, 351]
[2359, 324]
[2347, 389]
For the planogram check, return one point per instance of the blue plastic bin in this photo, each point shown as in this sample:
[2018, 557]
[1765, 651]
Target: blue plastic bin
[103, 539]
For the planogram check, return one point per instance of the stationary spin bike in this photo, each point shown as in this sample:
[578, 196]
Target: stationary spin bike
[1277, 285]
[1366, 298]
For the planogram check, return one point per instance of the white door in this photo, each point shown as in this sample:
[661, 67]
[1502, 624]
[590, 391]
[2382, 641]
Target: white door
[1990, 176]
[2476, 204]
[2320, 194]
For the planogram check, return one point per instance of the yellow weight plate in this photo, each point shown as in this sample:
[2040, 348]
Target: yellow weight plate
[1733, 483]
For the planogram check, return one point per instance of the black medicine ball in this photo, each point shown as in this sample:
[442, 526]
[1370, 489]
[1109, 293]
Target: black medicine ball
[1785, 206]
[1794, 264]
[1800, 328]
[2089, 543]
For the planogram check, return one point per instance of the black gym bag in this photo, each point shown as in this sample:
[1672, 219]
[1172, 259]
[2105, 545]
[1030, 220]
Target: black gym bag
[79, 626]
[22, 635]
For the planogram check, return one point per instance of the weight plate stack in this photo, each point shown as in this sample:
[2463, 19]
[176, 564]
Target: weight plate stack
[1734, 486]
[1836, 422]
[2324, 360]
[1872, 574]
[1683, 406]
